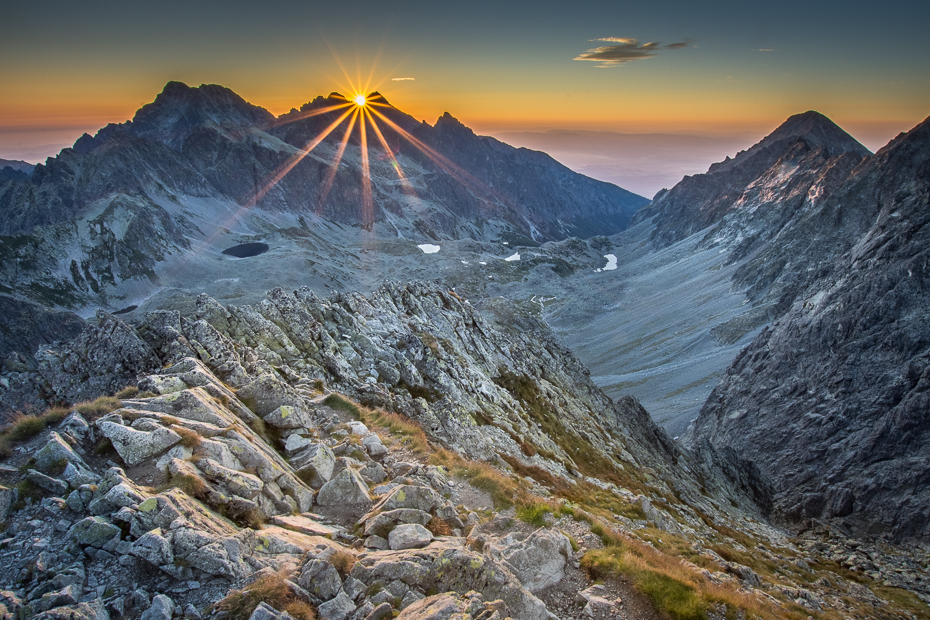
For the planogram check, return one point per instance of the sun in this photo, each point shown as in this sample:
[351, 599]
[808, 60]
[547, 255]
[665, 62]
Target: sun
[365, 117]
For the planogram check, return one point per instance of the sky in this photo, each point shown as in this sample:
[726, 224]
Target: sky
[724, 71]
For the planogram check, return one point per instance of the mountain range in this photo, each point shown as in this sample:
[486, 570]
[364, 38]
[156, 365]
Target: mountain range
[196, 170]
[769, 314]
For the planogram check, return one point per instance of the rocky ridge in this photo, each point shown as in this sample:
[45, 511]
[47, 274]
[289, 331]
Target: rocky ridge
[152, 505]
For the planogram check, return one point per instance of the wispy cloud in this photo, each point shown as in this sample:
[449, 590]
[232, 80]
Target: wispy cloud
[403, 79]
[764, 49]
[626, 49]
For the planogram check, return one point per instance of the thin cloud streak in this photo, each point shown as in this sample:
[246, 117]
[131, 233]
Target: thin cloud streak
[403, 79]
[626, 50]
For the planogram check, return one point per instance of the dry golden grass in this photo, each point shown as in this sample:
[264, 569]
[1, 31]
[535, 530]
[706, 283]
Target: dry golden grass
[676, 588]
[189, 439]
[193, 486]
[343, 561]
[270, 589]
[411, 434]
[56, 414]
[24, 427]
[130, 391]
[253, 518]
[503, 489]
[439, 527]
[98, 407]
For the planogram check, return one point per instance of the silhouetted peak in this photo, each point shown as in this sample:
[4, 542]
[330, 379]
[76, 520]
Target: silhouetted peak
[449, 121]
[449, 124]
[376, 97]
[180, 108]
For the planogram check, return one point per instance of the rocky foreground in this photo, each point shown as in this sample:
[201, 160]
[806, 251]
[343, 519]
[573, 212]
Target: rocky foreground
[362, 458]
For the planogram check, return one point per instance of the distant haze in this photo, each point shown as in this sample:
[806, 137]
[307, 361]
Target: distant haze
[640, 163]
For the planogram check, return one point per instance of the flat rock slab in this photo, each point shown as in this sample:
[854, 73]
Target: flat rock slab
[304, 525]
[136, 446]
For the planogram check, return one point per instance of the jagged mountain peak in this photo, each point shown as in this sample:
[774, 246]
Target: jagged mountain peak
[449, 125]
[179, 108]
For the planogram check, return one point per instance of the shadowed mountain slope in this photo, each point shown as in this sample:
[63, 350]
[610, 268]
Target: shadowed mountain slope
[831, 401]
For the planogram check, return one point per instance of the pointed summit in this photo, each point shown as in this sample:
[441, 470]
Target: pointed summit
[817, 131]
[803, 144]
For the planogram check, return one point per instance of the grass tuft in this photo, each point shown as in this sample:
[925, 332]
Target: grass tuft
[189, 439]
[24, 427]
[253, 518]
[98, 407]
[271, 589]
[343, 561]
[130, 391]
[534, 513]
[192, 485]
[267, 432]
[53, 415]
[439, 527]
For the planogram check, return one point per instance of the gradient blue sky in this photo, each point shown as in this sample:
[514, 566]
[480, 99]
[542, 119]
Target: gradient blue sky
[498, 66]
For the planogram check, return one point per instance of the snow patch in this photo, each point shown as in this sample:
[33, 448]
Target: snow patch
[428, 248]
[513, 257]
[611, 263]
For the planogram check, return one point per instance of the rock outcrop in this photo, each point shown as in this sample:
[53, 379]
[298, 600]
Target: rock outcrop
[239, 469]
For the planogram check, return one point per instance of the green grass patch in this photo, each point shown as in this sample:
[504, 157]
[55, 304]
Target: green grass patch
[341, 403]
[534, 513]
[676, 589]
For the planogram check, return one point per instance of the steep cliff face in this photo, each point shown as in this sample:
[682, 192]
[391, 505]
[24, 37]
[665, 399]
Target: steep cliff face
[831, 401]
[201, 167]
